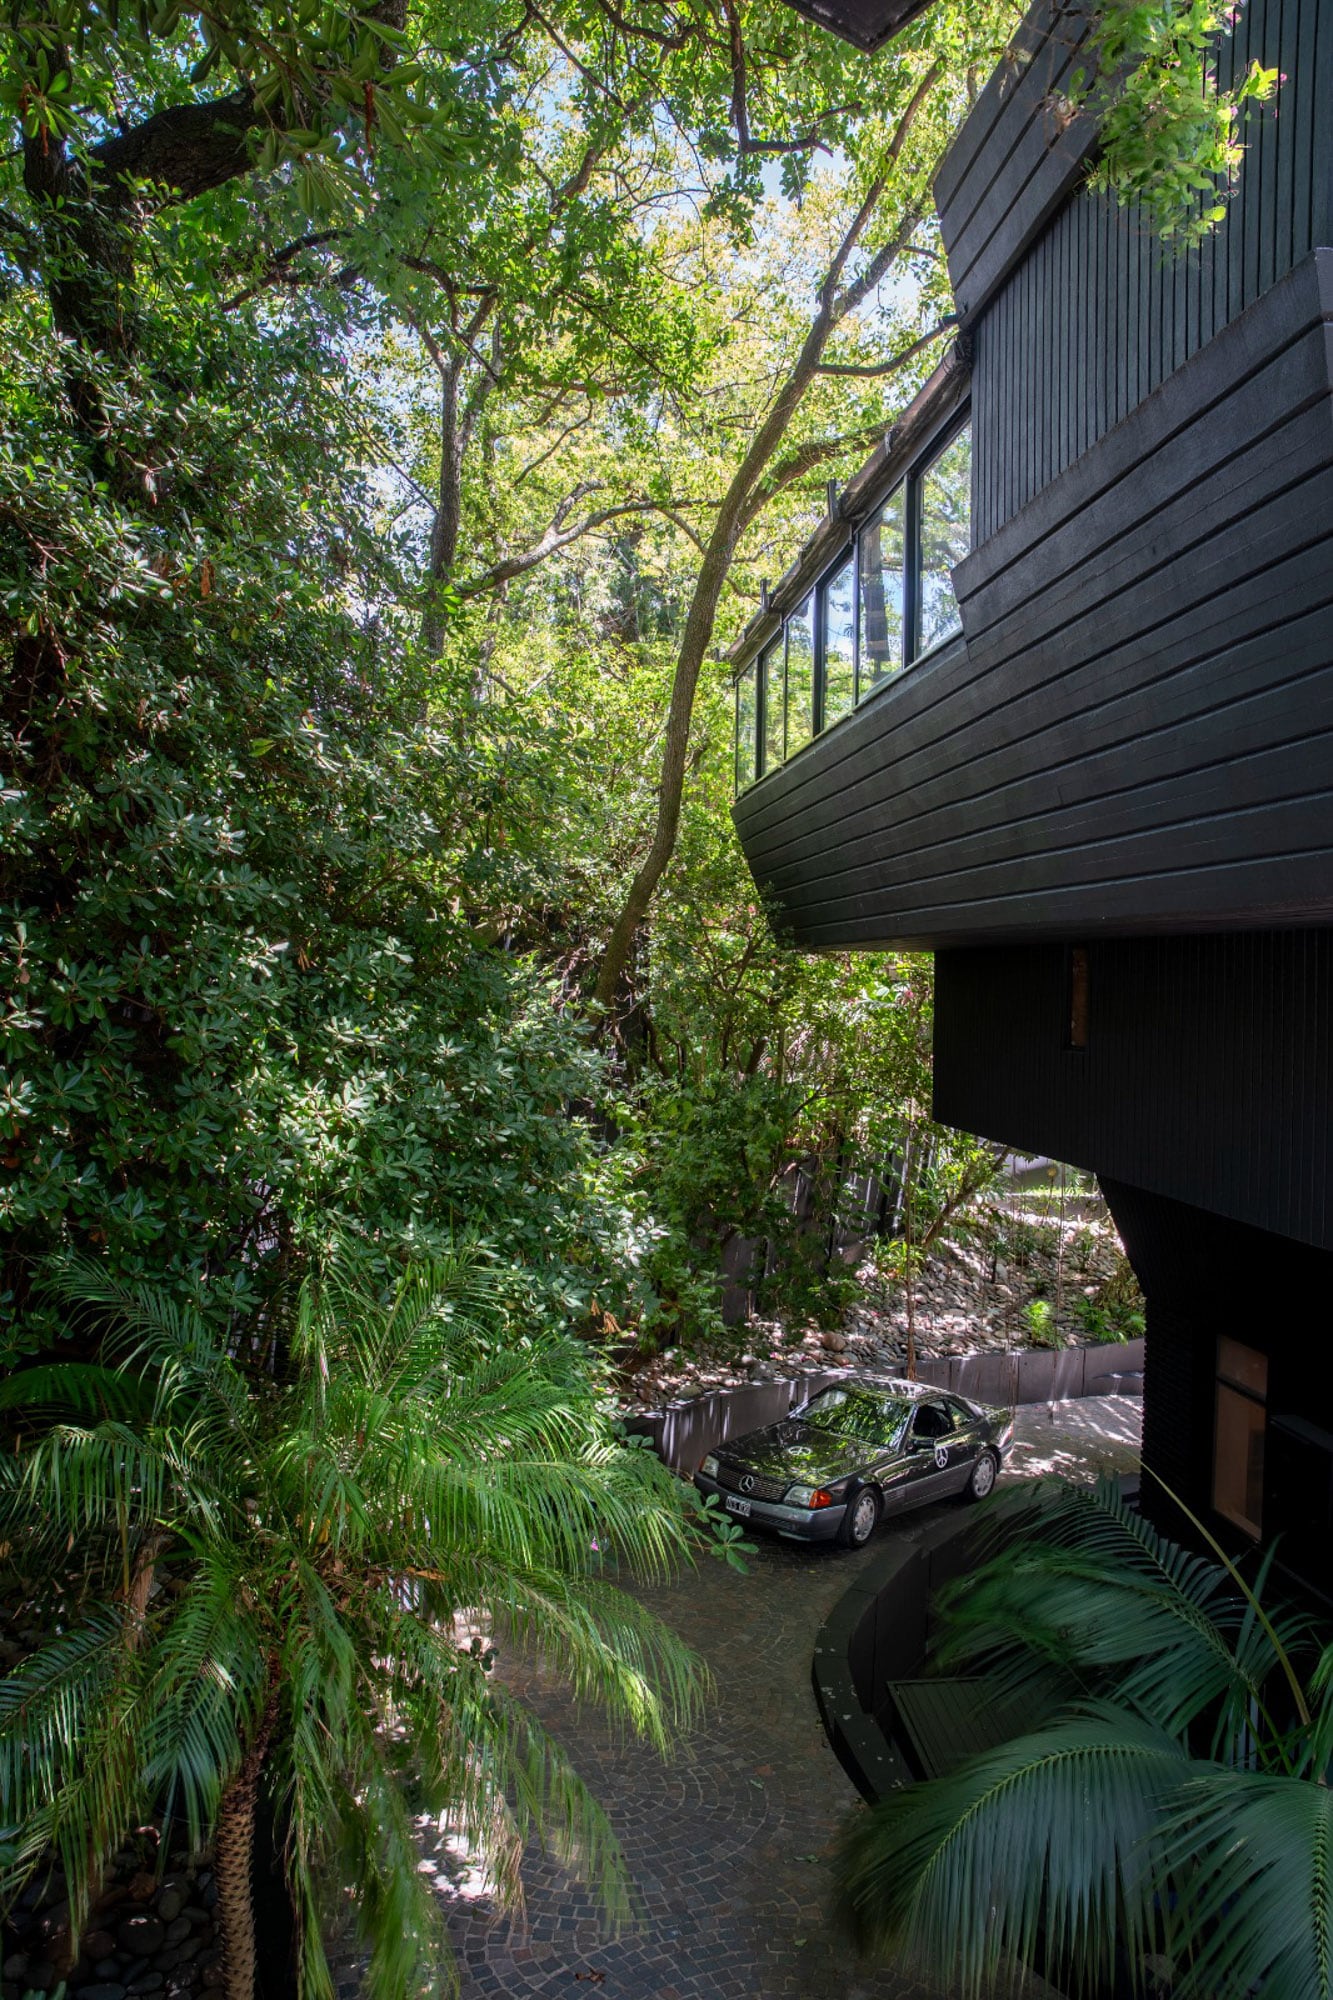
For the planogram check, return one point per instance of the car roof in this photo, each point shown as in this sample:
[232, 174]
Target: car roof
[885, 1385]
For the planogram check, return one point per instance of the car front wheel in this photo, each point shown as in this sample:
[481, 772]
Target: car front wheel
[983, 1476]
[861, 1519]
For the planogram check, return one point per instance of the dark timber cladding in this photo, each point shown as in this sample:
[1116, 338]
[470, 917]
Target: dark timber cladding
[1072, 331]
[1208, 1279]
[1137, 734]
[1207, 1075]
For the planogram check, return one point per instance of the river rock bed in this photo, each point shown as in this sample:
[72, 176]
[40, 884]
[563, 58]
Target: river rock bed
[148, 1934]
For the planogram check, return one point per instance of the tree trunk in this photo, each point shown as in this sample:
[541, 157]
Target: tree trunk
[448, 512]
[744, 500]
[909, 1277]
[233, 1858]
[693, 647]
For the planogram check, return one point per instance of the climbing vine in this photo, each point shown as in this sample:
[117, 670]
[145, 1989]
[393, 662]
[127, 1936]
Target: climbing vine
[1169, 125]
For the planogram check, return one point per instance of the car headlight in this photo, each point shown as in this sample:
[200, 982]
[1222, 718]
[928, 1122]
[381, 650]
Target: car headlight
[709, 1466]
[808, 1496]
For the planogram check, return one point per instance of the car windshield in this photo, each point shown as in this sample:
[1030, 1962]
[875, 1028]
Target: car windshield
[856, 1413]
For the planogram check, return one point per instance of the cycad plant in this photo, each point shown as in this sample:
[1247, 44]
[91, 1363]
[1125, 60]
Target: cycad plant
[1165, 1822]
[268, 1574]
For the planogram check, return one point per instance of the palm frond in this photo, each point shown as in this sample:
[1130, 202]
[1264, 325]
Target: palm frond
[1098, 1596]
[1005, 1862]
[74, 1389]
[1257, 1850]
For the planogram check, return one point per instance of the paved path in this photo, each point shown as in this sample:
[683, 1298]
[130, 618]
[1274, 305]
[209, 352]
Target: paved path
[728, 1843]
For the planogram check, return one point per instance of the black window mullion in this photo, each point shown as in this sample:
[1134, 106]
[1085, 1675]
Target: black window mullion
[760, 712]
[856, 619]
[911, 568]
[820, 624]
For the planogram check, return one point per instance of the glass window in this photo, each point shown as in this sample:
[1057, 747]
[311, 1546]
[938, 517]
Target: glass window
[1076, 1031]
[882, 595]
[1243, 1367]
[1238, 1440]
[946, 537]
[772, 706]
[747, 727]
[839, 606]
[800, 675]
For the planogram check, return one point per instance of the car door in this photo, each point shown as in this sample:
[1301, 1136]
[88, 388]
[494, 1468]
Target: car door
[933, 1450]
[964, 1444]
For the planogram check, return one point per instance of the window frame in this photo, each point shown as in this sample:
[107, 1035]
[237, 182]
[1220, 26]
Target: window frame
[914, 481]
[814, 598]
[775, 645]
[749, 671]
[1229, 1383]
[774, 648]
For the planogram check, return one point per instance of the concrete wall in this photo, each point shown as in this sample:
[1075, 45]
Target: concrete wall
[877, 1633]
[1040, 1375]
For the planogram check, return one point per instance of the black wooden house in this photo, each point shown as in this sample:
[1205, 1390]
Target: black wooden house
[1051, 694]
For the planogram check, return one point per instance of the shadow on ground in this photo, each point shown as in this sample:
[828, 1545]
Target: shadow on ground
[728, 1844]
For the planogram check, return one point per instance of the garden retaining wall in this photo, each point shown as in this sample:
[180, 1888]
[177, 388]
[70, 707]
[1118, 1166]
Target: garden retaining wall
[682, 1431]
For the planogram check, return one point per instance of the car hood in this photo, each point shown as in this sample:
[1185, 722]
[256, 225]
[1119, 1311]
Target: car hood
[798, 1451]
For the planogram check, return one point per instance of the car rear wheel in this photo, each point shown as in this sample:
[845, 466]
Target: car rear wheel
[982, 1479]
[861, 1519]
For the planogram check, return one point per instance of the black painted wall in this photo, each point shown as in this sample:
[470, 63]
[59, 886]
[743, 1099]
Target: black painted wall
[1097, 315]
[1207, 1076]
[1204, 1277]
[1203, 1100]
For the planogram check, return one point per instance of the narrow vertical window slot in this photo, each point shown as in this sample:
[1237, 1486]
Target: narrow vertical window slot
[1077, 998]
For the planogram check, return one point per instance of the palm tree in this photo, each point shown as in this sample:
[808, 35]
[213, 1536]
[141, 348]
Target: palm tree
[272, 1578]
[1164, 1819]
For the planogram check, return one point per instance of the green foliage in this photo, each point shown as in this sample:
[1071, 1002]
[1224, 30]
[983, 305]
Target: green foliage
[1039, 1323]
[1169, 130]
[1111, 1321]
[1165, 1813]
[318, 87]
[244, 1010]
[308, 1545]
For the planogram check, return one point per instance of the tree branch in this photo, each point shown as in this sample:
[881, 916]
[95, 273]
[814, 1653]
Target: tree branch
[896, 361]
[807, 142]
[278, 272]
[555, 539]
[185, 149]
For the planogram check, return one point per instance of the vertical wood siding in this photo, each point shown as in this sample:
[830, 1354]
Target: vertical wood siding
[1099, 313]
[1207, 1077]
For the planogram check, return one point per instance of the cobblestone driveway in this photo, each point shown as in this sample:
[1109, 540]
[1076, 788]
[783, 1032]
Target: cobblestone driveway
[727, 1844]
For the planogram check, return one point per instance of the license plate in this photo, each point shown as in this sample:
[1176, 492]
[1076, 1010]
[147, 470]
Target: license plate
[735, 1506]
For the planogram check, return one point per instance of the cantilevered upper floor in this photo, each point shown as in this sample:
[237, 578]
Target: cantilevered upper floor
[1062, 665]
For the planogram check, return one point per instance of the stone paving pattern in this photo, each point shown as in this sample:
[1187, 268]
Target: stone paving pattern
[727, 1844]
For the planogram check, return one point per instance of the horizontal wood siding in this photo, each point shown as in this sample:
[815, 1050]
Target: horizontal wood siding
[1137, 733]
[1095, 314]
[1207, 1076]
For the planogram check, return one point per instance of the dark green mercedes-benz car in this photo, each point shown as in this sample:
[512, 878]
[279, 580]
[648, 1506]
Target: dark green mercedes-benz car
[864, 1447]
